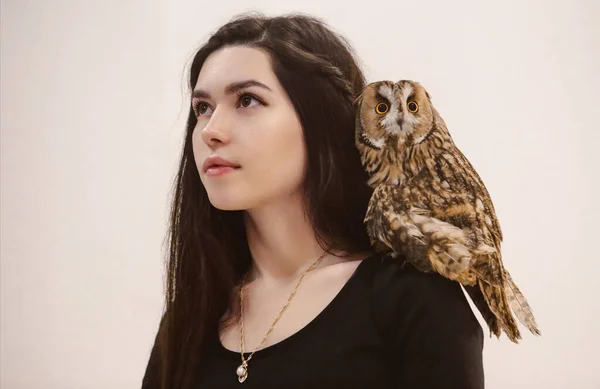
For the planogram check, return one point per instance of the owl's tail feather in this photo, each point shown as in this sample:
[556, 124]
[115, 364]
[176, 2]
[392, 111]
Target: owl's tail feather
[491, 272]
[477, 296]
[519, 305]
[498, 304]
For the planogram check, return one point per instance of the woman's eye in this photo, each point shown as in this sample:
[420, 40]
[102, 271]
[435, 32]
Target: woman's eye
[246, 100]
[202, 109]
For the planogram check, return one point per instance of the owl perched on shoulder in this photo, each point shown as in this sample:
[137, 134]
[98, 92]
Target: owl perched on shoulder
[429, 204]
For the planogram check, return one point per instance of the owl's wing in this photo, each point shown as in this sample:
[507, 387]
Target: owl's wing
[457, 175]
[407, 226]
[454, 192]
[440, 219]
[471, 185]
[446, 228]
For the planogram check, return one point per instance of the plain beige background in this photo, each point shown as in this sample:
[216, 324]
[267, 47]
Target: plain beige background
[92, 121]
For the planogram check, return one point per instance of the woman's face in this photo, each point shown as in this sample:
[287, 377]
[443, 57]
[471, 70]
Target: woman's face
[246, 118]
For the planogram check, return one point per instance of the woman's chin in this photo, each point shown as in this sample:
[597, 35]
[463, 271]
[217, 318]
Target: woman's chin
[226, 203]
[228, 207]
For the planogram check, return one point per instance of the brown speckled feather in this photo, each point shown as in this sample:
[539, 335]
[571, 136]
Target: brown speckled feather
[430, 205]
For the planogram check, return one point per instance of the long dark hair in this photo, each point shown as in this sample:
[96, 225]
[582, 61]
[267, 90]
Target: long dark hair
[208, 249]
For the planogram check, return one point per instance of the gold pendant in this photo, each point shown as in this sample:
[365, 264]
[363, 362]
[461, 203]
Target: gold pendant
[242, 372]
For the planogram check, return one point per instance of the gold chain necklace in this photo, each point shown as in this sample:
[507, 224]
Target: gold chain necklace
[242, 370]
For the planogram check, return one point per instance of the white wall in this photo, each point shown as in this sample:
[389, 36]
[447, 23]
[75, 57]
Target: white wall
[92, 119]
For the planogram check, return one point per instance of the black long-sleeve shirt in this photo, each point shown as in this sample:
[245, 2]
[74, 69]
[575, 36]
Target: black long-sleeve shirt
[390, 326]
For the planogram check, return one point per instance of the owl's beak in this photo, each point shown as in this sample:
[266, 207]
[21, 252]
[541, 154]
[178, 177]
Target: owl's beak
[399, 122]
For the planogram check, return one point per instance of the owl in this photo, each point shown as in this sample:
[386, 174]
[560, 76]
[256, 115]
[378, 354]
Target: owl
[429, 205]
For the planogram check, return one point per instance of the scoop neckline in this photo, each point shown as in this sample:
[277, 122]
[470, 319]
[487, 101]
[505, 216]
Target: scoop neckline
[304, 331]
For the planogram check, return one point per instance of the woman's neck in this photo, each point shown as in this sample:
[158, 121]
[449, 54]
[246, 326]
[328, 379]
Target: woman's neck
[282, 241]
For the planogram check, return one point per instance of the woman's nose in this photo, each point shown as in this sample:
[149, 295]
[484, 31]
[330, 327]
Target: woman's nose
[216, 131]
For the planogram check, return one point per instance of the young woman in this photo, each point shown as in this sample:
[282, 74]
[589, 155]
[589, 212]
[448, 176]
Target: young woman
[272, 281]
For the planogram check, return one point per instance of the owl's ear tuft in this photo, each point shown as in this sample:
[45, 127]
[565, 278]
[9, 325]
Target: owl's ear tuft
[358, 98]
[428, 96]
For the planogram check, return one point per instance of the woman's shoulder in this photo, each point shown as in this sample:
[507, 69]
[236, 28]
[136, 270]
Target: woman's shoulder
[389, 274]
[403, 297]
[427, 324]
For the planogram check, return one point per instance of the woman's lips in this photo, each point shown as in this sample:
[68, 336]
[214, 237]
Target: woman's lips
[215, 171]
[216, 166]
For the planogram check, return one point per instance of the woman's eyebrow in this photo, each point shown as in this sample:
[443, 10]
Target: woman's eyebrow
[231, 88]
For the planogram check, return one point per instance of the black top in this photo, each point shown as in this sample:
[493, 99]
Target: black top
[390, 326]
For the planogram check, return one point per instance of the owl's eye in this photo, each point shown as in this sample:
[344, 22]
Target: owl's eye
[413, 107]
[382, 108]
